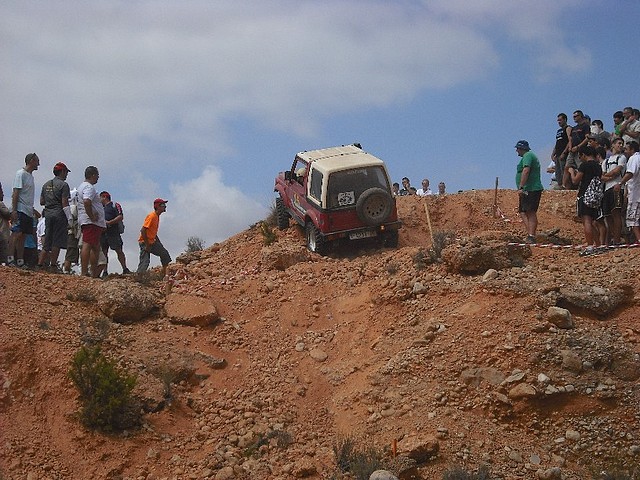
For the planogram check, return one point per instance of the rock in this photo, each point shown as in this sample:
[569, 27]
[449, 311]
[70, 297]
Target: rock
[419, 448]
[318, 355]
[554, 473]
[522, 390]
[125, 301]
[571, 361]
[479, 255]
[599, 300]
[191, 310]
[382, 475]
[225, 473]
[304, 468]
[419, 287]
[473, 376]
[282, 255]
[490, 274]
[572, 435]
[560, 317]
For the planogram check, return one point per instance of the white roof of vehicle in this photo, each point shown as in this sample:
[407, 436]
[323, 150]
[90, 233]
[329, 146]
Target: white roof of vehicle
[340, 158]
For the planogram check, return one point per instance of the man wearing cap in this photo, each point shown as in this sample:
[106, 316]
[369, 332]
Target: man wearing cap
[111, 237]
[22, 212]
[91, 221]
[149, 241]
[529, 188]
[57, 213]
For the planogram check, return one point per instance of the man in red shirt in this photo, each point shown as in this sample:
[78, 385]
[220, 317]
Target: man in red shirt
[149, 241]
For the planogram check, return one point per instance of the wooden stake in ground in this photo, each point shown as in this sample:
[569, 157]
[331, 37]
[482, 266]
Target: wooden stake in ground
[426, 210]
[495, 200]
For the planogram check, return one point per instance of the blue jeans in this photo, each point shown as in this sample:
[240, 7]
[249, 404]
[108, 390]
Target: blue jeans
[157, 249]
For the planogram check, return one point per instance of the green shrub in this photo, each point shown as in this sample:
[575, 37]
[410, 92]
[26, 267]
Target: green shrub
[268, 235]
[194, 244]
[105, 392]
[440, 242]
[272, 217]
[360, 463]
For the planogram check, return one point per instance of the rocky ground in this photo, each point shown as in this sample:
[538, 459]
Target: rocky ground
[255, 361]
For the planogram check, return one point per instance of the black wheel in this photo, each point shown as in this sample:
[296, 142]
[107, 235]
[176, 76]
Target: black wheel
[374, 206]
[390, 239]
[315, 240]
[282, 214]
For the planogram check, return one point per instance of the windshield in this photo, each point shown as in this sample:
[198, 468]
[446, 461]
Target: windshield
[345, 187]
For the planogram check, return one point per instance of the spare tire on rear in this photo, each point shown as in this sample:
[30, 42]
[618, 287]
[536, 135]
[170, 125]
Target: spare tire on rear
[374, 206]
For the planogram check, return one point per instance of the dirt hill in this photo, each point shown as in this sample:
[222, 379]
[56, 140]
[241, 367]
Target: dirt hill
[384, 346]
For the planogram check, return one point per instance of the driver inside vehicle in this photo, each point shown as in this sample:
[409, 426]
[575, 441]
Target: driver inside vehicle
[300, 174]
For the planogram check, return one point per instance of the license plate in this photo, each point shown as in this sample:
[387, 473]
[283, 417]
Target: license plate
[363, 234]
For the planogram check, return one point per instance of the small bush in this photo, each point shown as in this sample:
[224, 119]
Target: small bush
[420, 260]
[105, 392]
[458, 473]
[272, 217]
[440, 241]
[194, 244]
[268, 235]
[392, 268]
[360, 463]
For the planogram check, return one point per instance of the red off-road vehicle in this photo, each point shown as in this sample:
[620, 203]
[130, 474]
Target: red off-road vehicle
[338, 193]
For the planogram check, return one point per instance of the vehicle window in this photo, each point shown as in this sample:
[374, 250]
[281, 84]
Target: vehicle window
[316, 186]
[299, 169]
[345, 187]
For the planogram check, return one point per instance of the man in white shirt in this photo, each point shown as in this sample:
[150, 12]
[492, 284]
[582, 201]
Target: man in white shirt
[613, 169]
[425, 190]
[630, 127]
[22, 212]
[91, 221]
[631, 179]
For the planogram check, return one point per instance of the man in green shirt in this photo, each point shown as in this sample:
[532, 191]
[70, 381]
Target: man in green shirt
[529, 188]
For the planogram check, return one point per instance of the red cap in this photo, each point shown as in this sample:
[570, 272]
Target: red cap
[158, 201]
[60, 166]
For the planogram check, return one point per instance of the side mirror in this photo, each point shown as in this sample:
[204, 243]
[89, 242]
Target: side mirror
[287, 175]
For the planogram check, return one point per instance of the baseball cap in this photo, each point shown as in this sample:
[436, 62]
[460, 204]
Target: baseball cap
[60, 166]
[523, 144]
[158, 201]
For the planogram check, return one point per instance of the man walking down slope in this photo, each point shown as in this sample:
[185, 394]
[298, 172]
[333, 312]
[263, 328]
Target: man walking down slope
[149, 241]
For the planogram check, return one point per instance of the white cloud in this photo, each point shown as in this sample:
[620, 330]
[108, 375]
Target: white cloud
[148, 91]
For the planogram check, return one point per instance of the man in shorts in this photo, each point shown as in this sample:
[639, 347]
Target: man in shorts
[149, 241]
[111, 238]
[613, 168]
[57, 213]
[22, 213]
[91, 220]
[529, 188]
[631, 179]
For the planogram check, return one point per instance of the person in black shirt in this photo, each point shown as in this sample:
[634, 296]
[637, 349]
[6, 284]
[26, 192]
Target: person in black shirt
[582, 176]
[111, 237]
[561, 148]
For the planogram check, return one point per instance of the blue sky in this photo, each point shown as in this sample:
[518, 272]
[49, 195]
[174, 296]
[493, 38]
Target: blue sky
[204, 102]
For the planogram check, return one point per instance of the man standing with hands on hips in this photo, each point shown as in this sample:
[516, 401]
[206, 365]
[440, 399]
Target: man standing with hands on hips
[149, 241]
[529, 188]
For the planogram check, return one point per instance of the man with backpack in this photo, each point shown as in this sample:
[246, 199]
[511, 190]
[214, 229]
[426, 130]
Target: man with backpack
[112, 236]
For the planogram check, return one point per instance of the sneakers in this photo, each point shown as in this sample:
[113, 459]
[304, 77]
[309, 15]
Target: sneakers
[126, 271]
[590, 250]
[530, 239]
